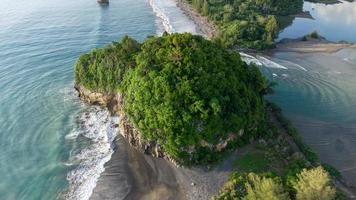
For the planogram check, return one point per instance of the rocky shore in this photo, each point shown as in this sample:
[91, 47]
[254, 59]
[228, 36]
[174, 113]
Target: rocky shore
[114, 102]
[141, 170]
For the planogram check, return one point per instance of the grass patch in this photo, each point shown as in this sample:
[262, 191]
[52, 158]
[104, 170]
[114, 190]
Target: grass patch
[253, 162]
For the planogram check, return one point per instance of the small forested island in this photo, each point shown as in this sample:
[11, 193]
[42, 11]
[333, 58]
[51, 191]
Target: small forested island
[189, 95]
[193, 102]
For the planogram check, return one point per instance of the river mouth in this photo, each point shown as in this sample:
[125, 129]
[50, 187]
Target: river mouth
[317, 93]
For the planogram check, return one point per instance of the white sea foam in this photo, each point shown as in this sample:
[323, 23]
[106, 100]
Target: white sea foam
[269, 63]
[250, 59]
[173, 18]
[100, 129]
[291, 64]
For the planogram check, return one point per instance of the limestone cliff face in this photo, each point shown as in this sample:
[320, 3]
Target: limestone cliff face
[114, 102]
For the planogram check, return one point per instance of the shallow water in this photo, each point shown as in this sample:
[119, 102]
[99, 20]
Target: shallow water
[46, 132]
[317, 92]
[39, 43]
[335, 22]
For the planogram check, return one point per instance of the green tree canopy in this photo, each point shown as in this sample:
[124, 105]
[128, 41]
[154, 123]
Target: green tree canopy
[192, 95]
[251, 186]
[187, 93]
[314, 184]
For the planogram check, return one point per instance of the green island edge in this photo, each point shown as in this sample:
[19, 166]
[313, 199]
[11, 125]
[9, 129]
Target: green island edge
[155, 68]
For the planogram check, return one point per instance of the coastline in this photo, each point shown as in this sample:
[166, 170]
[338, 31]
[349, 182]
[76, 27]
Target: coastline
[311, 46]
[203, 24]
[132, 175]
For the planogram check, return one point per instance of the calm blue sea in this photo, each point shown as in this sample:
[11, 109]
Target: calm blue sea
[39, 112]
[53, 146]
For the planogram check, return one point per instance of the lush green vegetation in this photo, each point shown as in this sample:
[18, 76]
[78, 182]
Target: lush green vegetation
[312, 36]
[200, 101]
[309, 153]
[248, 23]
[251, 186]
[314, 184]
[255, 162]
[310, 184]
[287, 171]
[195, 98]
[103, 69]
[191, 95]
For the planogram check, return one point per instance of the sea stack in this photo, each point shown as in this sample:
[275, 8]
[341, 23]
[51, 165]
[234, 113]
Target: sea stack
[103, 1]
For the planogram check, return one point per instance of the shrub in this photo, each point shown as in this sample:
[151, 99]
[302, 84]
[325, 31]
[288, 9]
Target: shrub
[252, 187]
[314, 184]
[258, 187]
[314, 35]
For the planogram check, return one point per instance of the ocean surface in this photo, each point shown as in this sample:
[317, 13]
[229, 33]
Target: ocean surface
[317, 92]
[55, 147]
[52, 145]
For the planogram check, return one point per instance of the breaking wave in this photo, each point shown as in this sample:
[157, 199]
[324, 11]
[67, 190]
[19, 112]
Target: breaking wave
[99, 129]
[172, 17]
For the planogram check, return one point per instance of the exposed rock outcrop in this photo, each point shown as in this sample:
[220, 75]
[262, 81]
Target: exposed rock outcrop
[114, 102]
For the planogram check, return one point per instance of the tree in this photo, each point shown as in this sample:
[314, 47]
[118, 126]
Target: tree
[190, 94]
[252, 186]
[205, 8]
[271, 28]
[259, 187]
[314, 184]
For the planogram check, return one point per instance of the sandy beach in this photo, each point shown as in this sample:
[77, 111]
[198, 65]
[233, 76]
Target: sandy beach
[311, 46]
[132, 175]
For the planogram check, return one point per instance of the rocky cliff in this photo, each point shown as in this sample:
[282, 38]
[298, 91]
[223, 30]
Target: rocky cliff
[114, 102]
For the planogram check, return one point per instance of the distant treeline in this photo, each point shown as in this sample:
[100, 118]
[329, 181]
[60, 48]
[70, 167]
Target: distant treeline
[248, 23]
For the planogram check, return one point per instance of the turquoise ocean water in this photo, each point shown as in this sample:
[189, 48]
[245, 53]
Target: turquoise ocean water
[39, 43]
[53, 146]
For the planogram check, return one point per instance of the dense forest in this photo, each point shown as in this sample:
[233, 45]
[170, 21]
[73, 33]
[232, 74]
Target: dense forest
[200, 101]
[188, 93]
[248, 23]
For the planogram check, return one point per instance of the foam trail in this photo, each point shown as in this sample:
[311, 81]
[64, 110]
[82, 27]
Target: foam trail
[165, 19]
[100, 129]
[292, 64]
[250, 59]
[269, 63]
[173, 18]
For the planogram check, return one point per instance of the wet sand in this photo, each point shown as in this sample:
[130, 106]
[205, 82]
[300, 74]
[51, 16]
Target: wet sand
[312, 46]
[132, 175]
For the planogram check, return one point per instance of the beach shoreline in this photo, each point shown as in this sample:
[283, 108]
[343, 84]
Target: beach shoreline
[131, 174]
[207, 28]
[311, 46]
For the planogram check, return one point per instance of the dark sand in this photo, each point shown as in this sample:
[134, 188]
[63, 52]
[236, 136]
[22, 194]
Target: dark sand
[132, 175]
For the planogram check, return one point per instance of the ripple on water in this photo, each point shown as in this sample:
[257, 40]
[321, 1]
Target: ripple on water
[321, 103]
